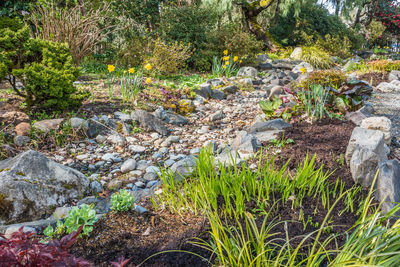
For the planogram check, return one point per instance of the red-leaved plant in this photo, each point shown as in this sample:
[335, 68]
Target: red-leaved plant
[25, 249]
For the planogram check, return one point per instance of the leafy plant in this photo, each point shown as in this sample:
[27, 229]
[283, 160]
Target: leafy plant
[332, 78]
[83, 216]
[25, 249]
[276, 108]
[314, 101]
[122, 201]
[282, 142]
[384, 65]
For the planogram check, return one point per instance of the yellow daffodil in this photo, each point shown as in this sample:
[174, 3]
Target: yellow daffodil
[173, 106]
[131, 70]
[303, 70]
[227, 63]
[235, 58]
[240, 61]
[148, 80]
[379, 46]
[224, 67]
[111, 68]
[264, 3]
[147, 67]
[225, 52]
[226, 58]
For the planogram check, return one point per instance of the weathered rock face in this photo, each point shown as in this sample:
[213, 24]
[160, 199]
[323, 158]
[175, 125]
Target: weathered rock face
[48, 125]
[246, 145]
[388, 184]
[382, 124]
[149, 122]
[365, 151]
[31, 186]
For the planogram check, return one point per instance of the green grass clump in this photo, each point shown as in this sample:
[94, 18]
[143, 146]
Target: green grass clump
[316, 57]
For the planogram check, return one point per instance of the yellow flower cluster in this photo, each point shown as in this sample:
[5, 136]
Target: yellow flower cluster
[227, 58]
[264, 3]
[111, 68]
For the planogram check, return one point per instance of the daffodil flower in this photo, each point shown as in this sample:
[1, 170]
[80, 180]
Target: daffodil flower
[147, 67]
[264, 3]
[111, 68]
[148, 80]
[303, 70]
[235, 58]
[225, 52]
[131, 70]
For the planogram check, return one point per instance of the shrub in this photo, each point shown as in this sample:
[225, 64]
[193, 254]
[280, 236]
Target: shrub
[45, 69]
[168, 58]
[384, 65]
[374, 30]
[317, 57]
[12, 23]
[332, 78]
[25, 249]
[335, 45]
[133, 51]
[78, 26]
[122, 201]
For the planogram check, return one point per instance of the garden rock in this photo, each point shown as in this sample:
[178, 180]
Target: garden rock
[247, 72]
[122, 116]
[184, 167]
[15, 228]
[96, 187]
[219, 115]
[277, 124]
[128, 165]
[365, 151]
[231, 89]
[217, 94]
[101, 205]
[170, 117]
[305, 65]
[358, 116]
[393, 86]
[382, 124]
[78, 123]
[15, 117]
[114, 184]
[204, 91]
[262, 58]
[137, 149]
[149, 122]
[48, 125]
[228, 157]
[31, 185]
[275, 92]
[21, 140]
[22, 128]
[388, 184]
[296, 54]
[394, 75]
[117, 139]
[246, 144]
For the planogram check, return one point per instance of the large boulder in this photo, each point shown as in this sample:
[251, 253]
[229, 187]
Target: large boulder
[170, 117]
[48, 125]
[296, 54]
[149, 122]
[393, 86]
[394, 75]
[31, 186]
[382, 124]
[365, 151]
[388, 184]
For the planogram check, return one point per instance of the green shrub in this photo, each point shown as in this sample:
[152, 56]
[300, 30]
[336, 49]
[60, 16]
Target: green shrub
[122, 201]
[335, 45]
[13, 24]
[45, 69]
[374, 30]
[317, 57]
[168, 58]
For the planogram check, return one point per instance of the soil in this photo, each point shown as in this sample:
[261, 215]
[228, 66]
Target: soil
[374, 78]
[138, 237]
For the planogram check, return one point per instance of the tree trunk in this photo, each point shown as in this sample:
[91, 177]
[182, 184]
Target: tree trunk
[337, 8]
[251, 11]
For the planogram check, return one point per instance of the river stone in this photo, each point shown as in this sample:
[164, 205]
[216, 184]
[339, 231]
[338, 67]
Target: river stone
[128, 165]
[246, 144]
[48, 125]
[382, 124]
[31, 185]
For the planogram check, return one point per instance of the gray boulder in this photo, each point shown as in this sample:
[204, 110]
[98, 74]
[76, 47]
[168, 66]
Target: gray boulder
[170, 117]
[217, 94]
[48, 125]
[394, 75]
[388, 184]
[31, 186]
[184, 167]
[365, 151]
[247, 72]
[78, 123]
[149, 122]
[246, 145]
[296, 54]
[382, 124]
[277, 124]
